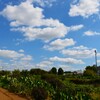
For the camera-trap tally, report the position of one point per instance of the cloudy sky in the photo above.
(49, 33)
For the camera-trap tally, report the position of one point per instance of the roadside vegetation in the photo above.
(38, 84)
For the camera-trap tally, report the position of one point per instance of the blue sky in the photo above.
(49, 33)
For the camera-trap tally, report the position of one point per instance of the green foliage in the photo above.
(16, 73)
(24, 72)
(37, 72)
(41, 86)
(93, 68)
(39, 93)
(53, 80)
(4, 72)
(60, 71)
(53, 70)
(89, 73)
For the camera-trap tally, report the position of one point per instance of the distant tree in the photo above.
(60, 71)
(24, 72)
(4, 72)
(90, 71)
(16, 73)
(53, 70)
(37, 71)
(93, 68)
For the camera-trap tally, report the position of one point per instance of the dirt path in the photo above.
(6, 95)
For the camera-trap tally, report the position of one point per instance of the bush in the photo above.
(60, 71)
(53, 70)
(37, 72)
(54, 81)
(39, 93)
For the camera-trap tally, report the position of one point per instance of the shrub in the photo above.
(37, 72)
(39, 93)
(60, 71)
(53, 70)
(54, 81)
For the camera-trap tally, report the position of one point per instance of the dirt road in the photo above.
(6, 95)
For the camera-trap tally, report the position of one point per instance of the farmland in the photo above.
(38, 84)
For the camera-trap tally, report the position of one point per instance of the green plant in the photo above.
(39, 93)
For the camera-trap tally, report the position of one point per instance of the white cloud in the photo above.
(58, 62)
(46, 65)
(60, 44)
(46, 34)
(98, 61)
(21, 50)
(33, 24)
(11, 59)
(27, 58)
(44, 3)
(76, 27)
(85, 8)
(10, 54)
(37, 26)
(91, 33)
(23, 14)
(66, 60)
(79, 52)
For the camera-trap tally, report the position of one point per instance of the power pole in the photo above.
(95, 58)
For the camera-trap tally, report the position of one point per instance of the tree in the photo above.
(60, 71)
(90, 71)
(93, 68)
(16, 73)
(53, 70)
(4, 72)
(37, 71)
(24, 72)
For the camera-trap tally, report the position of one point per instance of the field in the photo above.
(38, 84)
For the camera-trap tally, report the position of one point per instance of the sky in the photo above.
(49, 33)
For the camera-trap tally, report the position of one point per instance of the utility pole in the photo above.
(95, 58)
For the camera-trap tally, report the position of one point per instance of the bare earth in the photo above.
(6, 95)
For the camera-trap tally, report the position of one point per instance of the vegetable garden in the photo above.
(41, 85)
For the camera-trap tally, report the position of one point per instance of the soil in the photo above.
(6, 95)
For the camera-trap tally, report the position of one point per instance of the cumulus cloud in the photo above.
(33, 24)
(46, 34)
(12, 60)
(91, 33)
(60, 44)
(66, 60)
(98, 61)
(23, 14)
(85, 8)
(79, 52)
(10, 54)
(47, 65)
(44, 64)
(21, 50)
(64, 63)
(44, 3)
(27, 58)
(76, 27)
